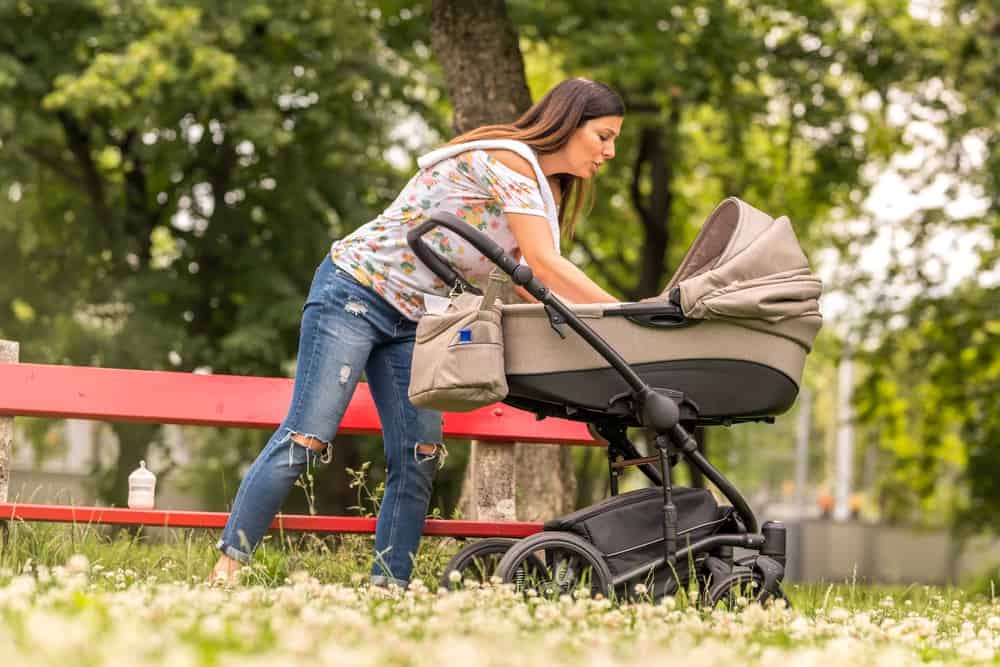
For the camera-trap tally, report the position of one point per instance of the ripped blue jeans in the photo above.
(347, 328)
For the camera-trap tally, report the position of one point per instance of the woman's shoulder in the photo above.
(512, 160)
(518, 164)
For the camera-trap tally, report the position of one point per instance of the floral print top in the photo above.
(475, 187)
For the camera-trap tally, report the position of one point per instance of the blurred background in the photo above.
(171, 173)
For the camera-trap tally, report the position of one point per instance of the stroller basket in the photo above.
(628, 528)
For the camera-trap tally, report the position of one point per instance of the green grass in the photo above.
(176, 555)
(187, 555)
(90, 596)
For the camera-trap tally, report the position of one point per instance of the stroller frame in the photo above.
(660, 410)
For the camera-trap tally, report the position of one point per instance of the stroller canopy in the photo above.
(751, 308)
(745, 266)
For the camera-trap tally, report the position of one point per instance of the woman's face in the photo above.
(592, 144)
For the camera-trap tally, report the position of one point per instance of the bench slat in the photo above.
(289, 522)
(166, 397)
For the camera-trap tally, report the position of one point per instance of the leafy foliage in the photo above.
(758, 100)
(933, 394)
(172, 172)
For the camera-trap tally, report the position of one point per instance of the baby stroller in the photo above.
(724, 343)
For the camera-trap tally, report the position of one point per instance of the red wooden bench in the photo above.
(40, 390)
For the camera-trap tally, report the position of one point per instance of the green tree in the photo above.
(933, 393)
(758, 100)
(174, 172)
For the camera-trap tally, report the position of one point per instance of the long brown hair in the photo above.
(548, 125)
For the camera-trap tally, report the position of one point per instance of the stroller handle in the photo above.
(656, 411)
(520, 274)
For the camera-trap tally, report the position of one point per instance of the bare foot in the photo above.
(226, 571)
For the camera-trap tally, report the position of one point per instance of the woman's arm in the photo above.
(552, 269)
(534, 238)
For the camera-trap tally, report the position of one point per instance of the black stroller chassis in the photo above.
(665, 538)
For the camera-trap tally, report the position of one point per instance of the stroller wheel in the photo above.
(741, 588)
(476, 561)
(553, 563)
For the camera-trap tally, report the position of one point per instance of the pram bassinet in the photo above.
(731, 330)
(726, 340)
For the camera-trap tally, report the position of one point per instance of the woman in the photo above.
(369, 292)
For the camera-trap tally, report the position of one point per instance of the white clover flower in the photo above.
(300, 577)
(839, 614)
(78, 564)
(150, 623)
(976, 650)
(23, 585)
(212, 626)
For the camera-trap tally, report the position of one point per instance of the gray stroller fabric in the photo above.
(751, 306)
(745, 265)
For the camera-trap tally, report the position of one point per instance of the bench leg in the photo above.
(492, 476)
(8, 355)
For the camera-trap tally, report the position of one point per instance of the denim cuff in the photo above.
(383, 581)
(233, 552)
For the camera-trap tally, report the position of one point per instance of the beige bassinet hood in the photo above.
(748, 268)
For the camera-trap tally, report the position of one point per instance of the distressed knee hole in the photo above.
(311, 442)
(345, 373)
(427, 451)
(426, 448)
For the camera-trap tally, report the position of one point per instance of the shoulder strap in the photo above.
(445, 152)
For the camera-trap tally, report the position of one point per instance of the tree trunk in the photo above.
(476, 44)
(653, 197)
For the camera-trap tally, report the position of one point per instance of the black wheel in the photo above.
(747, 585)
(554, 563)
(476, 561)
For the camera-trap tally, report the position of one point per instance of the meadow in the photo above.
(80, 596)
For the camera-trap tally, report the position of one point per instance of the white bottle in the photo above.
(141, 488)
